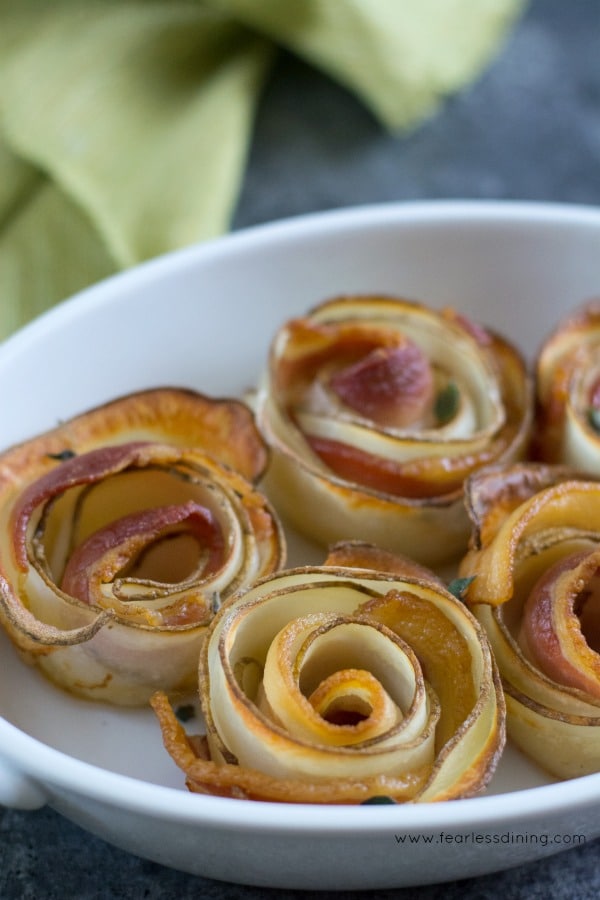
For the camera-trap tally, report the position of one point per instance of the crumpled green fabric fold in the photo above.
(125, 124)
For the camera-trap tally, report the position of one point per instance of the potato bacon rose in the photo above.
(535, 565)
(376, 410)
(339, 683)
(568, 392)
(121, 533)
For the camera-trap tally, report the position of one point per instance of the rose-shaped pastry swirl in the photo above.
(534, 562)
(338, 683)
(376, 410)
(568, 392)
(122, 533)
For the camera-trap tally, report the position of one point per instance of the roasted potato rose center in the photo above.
(376, 410)
(333, 684)
(121, 540)
(105, 535)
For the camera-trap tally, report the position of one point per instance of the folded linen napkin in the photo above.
(125, 124)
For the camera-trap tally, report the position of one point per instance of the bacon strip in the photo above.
(551, 629)
(72, 472)
(111, 549)
(392, 386)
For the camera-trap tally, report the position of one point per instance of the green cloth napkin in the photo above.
(125, 124)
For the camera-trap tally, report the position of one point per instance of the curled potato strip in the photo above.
(376, 410)
(121, 535)
(337, 683)
(568, 392)
(534, 562)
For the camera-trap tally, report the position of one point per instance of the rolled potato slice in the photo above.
(340, 683)
(534, 565)
(568, 392)
(376, 410)
(121, 533)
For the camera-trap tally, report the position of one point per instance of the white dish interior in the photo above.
(204, 318)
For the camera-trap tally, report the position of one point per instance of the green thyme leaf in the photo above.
(593, 417)
(446, 403)
(378, 801)
(185, 712)
(458, 586)
(63, 455)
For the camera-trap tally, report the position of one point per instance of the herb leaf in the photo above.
(458, 586)
(447, 403)
(185, 712)
(593, 417)
(63, 455)
(378, 800)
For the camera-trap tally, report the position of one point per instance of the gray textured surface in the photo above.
(528, 129)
